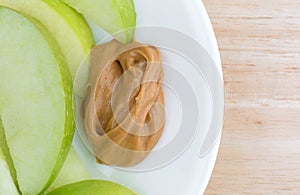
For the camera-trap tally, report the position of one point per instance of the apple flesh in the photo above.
(68, 27)
(116, 17)
(36, 105)
(7, 185)
(92, 187)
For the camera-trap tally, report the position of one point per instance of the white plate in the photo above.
(193, 97)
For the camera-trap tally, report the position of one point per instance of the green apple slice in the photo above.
(92, 187)
(68, 27)
(36, 105)
(5, 152)
(72, 171)
(7, 185)
(113, 16)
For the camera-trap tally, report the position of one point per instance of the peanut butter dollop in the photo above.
(123, 109)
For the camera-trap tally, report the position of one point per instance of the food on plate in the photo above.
(123, 109)
(116, 17)
(36, 106)
(43, 42)
(7, 185)
(92, 187)
(68, 27)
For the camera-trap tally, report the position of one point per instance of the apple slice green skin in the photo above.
(7, 185)
(89, 187)
(6, 154)
(68, 27)
(72, 171)
(36, 105)
(116, 17)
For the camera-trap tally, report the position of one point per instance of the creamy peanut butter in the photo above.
(123, 108)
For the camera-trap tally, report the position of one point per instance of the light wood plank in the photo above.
(259, 41)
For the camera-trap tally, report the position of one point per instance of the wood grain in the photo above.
(259, 41)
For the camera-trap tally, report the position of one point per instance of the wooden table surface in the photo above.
(259, 42)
